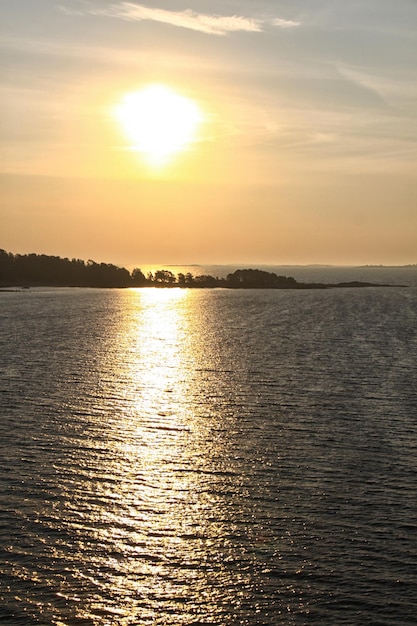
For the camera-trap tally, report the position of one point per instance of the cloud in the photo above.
(283, 23)
(204, 23)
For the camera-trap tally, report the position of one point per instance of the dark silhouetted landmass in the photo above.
(41, 270)
(33, 270)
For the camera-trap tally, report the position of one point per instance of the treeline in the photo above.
(42, 270)
(243, 279)
(32, 270)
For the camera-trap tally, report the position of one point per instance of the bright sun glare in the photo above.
(159, 122)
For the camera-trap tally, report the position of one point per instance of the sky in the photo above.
(305, 151)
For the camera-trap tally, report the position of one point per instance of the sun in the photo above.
(159, 122)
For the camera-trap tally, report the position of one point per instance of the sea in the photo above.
(210, 456)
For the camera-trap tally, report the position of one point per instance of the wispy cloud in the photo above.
(283, 23)
(202, 22)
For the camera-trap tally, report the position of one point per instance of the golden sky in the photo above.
(302, 147)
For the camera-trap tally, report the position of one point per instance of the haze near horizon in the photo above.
(212, 133)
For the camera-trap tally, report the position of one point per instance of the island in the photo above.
(41, 270)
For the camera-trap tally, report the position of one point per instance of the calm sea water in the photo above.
(174, 457)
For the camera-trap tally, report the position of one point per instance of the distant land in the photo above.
(41, 270)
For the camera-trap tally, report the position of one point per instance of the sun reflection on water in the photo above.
(157, 335)
(164, 526)
(160, 524)
(156, 523)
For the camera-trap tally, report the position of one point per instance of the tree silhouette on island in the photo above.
(40, 270)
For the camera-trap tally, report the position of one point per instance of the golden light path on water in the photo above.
(159, 512)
